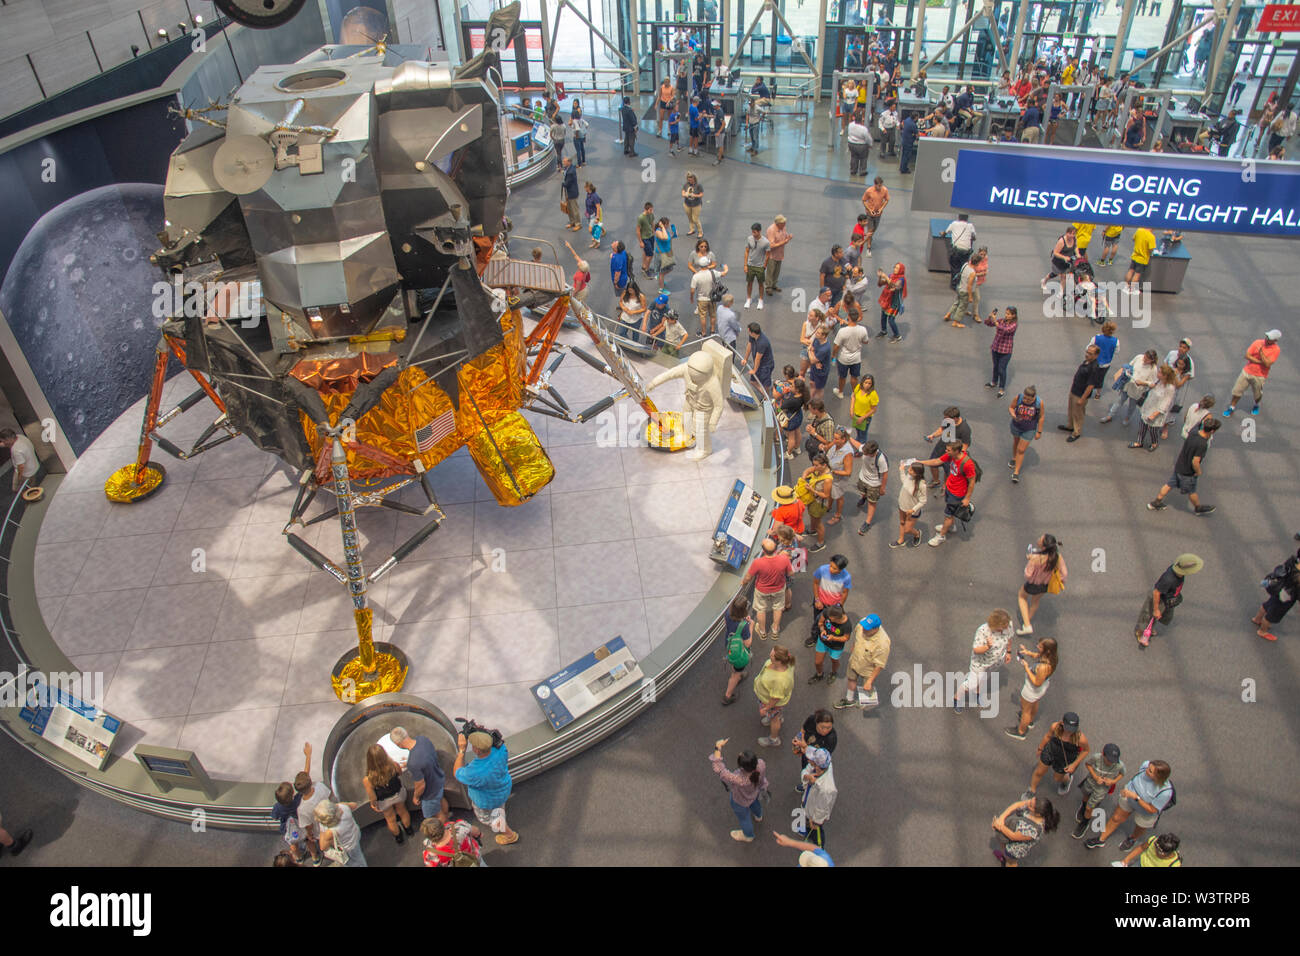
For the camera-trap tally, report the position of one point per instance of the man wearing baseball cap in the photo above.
(1259, 359)
(487, 781)
(1166, 595)
(870, 655)
(1102, 772)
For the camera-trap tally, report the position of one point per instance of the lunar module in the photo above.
(366, 198)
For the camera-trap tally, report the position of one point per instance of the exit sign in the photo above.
(1279, 18)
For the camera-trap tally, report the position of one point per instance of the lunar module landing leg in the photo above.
(141, 478)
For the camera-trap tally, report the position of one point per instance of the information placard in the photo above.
(737, 529)
(587, 683)
(70, 723)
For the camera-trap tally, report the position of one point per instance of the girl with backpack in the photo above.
(1044, 574)
(1027, 415)
(738, 636)
(745, 786)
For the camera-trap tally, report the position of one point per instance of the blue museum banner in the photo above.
(1196, 194)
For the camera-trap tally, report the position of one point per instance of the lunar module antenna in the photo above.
(196, 114)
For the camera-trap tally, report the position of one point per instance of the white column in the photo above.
(821, 52)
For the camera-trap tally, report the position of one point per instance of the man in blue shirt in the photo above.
(618, 268)
(693, 120)
(906, 144)
(758, 356)
(426, 773)
(1144, 797)
(1031, 127)
(487, 779)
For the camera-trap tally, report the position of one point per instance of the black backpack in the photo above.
(1173, 801)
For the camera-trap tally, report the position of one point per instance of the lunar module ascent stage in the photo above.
(367, 198)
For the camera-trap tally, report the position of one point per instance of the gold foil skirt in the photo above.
(529, 467)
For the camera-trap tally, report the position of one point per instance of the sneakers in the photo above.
(1064, 787)
(845, 702)
(399, 838)
(895, 339)
(769, 741)
(1080, 828)
(1095, 843)
(881, 335)
(1203, 510)
(1227, 412)
(1015, 733)
(739, 837)
(898, 544)
(760, 305)
(868, 251)
(748, 302)
(866, 526)
(989, 385)
(957, 708)
(813, 549)
(1015, 477)
(809, 642)
(816, 678)
(1127, 845)
(765, 720)
(837, 393)
(1024, 629)
(1156, 505)
(937, 540)
(1255, 410)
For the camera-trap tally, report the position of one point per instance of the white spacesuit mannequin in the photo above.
(704, 399)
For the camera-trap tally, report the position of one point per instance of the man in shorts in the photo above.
(847, 352)
(874, 201)
(1102, 772)
(1148, 793)
(487, 781)
(957, 489)
(702, 285)
(645, 231)
(1259, 359)
(1188, 468)
(1144, 241)
(867, 662)
(757, 252)
(770, 573)
(872, 477)
(833, 633)
(1165, 595)
(831, 585)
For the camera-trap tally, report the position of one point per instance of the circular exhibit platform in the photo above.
(214, 636)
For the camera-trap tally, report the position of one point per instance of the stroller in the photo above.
(1088, 300)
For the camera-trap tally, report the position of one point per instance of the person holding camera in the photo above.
(486, 778)
(745, 787)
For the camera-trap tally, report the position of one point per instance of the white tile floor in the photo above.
(214, 635)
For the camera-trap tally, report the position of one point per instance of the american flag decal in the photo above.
(435, 431)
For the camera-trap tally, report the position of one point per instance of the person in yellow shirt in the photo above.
(863, 406)
(1067, 75)
(1159, 850)
(1082, 236)
(1144, 241)
(1110, 245)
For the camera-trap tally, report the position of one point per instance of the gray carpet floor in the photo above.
(919, 785)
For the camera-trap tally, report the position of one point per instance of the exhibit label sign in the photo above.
(737, 528)
(70, 723)
(1236, 198)
(587, 683)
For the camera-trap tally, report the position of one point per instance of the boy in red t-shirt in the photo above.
(957, 488)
